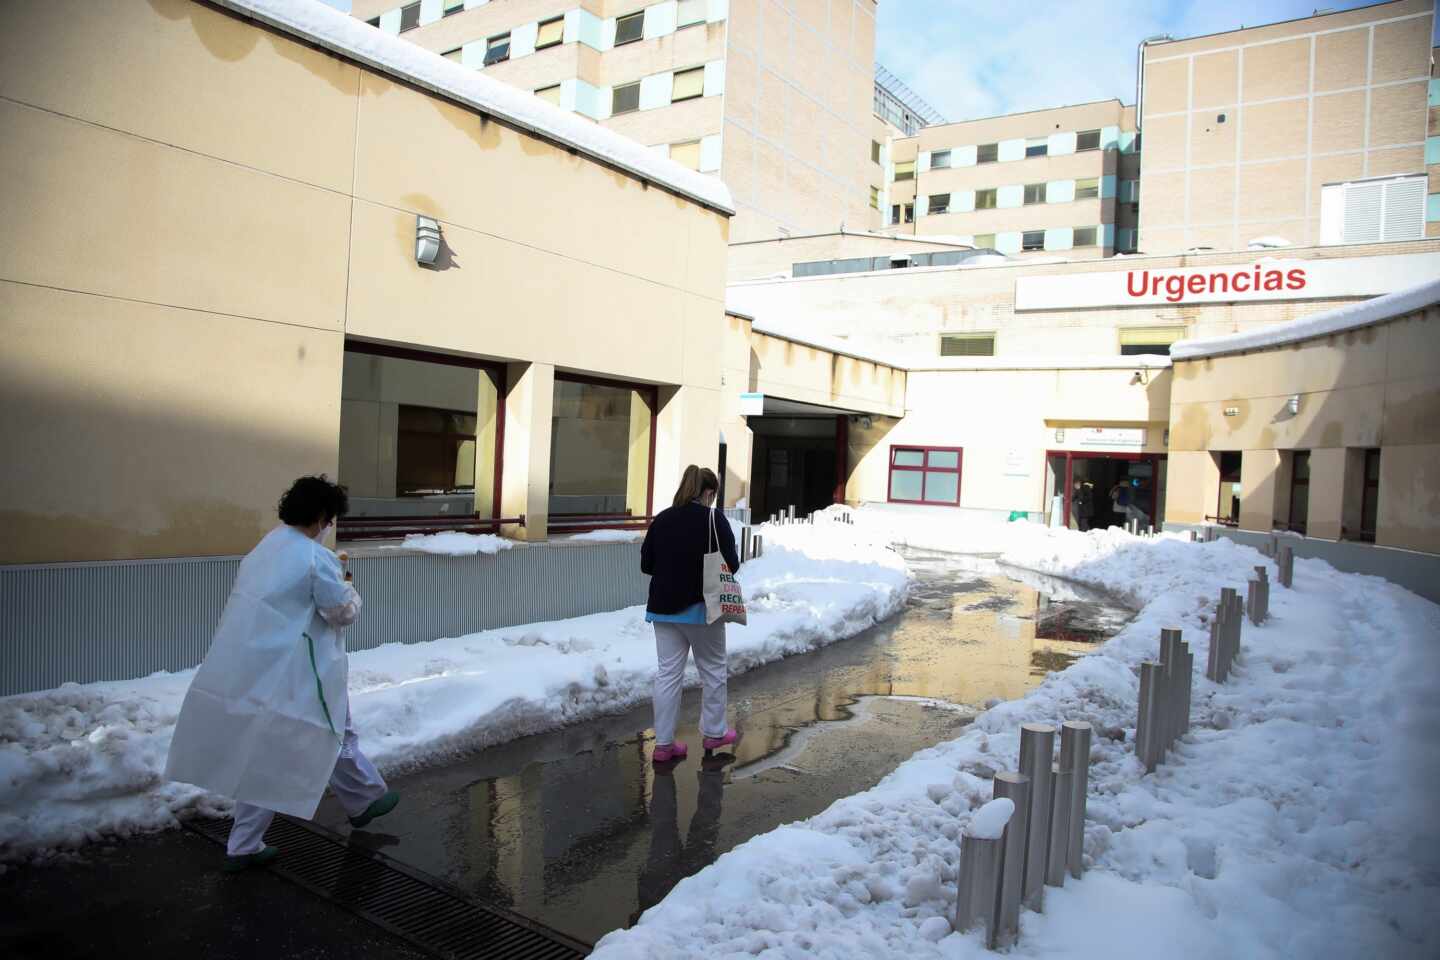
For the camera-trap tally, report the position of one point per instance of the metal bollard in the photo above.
(758, 546)
(1146, 733)
(1016, 787)
(744, 544)
(1057, 850)
(1037, 746)
(1075, 750)
(976, 900)
(1172, 660)
(1187, 686)
(1212, 663)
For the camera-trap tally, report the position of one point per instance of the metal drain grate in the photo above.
(421, 910)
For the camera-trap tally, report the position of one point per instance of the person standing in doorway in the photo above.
(259, 722)
(673, 555)
(1083, 504)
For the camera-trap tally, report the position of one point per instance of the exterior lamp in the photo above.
(427, 240)
(1293, 405)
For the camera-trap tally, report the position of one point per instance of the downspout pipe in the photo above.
(1140, 75)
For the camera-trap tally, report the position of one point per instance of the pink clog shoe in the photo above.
(670, 751)
(715, 743)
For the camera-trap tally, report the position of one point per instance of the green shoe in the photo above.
(247, 860)
(377, 809)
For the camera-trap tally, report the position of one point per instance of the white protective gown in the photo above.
(253, 725)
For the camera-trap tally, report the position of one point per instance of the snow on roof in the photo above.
(317, 23)
(1349, 317)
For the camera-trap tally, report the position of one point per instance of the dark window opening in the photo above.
(409, 17)
(1227, 507)
(1087, 140)
(625, 99)
(630, 28)
(497, 49)
(1299, 490)
(1370, 500)
(987, 153)
(1032, 240)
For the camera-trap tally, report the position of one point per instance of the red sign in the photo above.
(1174, 286)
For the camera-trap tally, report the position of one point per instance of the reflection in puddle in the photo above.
(578, 829)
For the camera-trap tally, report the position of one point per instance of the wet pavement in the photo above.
(576, 828)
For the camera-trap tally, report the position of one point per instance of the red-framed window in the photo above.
(925, 475)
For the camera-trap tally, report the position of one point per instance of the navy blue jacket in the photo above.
(673, 554)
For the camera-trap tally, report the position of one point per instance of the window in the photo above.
(1032, 240)
(453, 6)
(1373, 211)
(939, 203)
(549, 94)
(1087, 140)
(1148, 340)
(984, 241)
(1299, 490)
(435, 451)
(1034, 193)
(940, 160)
(686, 154)
(1087, 188)
(691, 12)
(409, 17)
(1084, 237)
(497, 49)
(601, 452)
(985, 199)
(905, 170)
(630, 28)
(874, 151)
(625, 99)
(967, 344)
(875, 198)
(452, 55)
(987, 153)
(902, 213)
(552, 33)
(689, 84)
(925, 475)
(1370, 500)
(1037, 147)
(373, 22)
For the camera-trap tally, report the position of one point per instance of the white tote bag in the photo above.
(724, 602)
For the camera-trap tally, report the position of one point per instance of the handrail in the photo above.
(1223, 521)
(390, 527)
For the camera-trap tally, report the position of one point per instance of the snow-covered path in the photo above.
(1292, 821)
(84, 762)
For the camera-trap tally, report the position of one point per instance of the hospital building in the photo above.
(509, 267)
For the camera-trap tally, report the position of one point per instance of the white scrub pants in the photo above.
(355, 781)
(672, 642)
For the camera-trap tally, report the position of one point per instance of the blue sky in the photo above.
(980, 58)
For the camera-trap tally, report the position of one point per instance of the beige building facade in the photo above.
(772, 97)
(1314, 131)
(1047, 182)
(210, 293)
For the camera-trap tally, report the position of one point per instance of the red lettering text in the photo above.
(1296, 279)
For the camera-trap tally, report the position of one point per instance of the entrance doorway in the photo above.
(795, 461)
(1112, 487)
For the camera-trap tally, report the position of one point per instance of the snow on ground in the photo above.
(452, 543)
(82, 763)
(1293, 820)
(609, 536)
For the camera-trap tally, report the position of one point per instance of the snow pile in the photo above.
(990, 820)
(609, 536)
(453, 543)
(1293, 820)
(83, 762)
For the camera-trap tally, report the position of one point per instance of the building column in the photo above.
(487, 408)
(1259, 480)
(525, 477)
(1327, 493)
(687, 431)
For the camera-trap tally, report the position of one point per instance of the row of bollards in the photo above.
(1042, 841)
(1225, 635)
(1165, 695)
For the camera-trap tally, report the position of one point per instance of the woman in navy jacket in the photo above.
(673, 554)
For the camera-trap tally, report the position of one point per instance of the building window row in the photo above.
(574, 26)
(1358, 485)
(1020, 195)
(663, 89)
(1054, 239)
(1023, 148)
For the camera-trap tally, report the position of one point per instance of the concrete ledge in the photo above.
(1417, 572)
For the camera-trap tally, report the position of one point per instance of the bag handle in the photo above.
(713, 534)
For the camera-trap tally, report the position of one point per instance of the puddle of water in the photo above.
(577, 828)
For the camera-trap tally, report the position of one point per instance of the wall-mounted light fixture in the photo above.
(1232, 411)
(1142, 377)
(1059, 434)
(1293, 405)
(427, 240)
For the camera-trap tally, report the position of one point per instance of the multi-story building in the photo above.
(775, 100)
(1312, 131)
(1046, 181)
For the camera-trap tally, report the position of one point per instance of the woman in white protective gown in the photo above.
(267, 719)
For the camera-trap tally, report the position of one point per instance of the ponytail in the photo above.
(694, 484)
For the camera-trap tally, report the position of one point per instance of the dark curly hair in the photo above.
(313, 498)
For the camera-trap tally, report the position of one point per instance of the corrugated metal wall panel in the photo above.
(84, 622)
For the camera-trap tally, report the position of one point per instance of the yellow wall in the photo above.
(183, 260)
(1377, 386)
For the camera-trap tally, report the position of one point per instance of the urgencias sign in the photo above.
(1267, 279)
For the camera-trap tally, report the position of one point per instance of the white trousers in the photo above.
(355, 782)
(672, 642)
